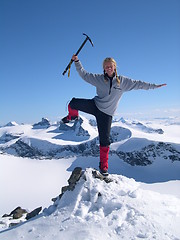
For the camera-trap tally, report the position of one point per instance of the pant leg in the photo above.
(103, 120)
(84, 105)
(104, 127)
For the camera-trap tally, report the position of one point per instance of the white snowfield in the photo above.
(142, 202)
(98, 210)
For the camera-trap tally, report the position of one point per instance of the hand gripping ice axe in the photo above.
(82, 45)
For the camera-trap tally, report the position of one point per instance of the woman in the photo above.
(109, 88)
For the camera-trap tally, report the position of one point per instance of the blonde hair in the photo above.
(109, 59)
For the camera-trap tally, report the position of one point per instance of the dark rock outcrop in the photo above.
(74, 178)
(44, 123)
(16, 213)
(34, 213)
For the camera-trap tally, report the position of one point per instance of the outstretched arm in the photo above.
(130, 84)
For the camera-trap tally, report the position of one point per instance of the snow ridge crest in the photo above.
(91, 208)
(116, 209)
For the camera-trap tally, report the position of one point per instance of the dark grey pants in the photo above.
(103, 120)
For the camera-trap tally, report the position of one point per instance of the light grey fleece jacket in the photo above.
(107, 98)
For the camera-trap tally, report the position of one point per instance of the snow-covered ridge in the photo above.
(135, 142)
(94, 209)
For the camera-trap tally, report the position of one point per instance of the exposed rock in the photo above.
(76, 127)
(6, 137)
(74, 178)
(44, 123)
(24, 150)
(20, 215)
(141, 157)
(119, 133)
(64, 189)
(151, 151)
(34, 213)
(18, 212)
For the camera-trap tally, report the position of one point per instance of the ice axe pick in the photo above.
(82, 45)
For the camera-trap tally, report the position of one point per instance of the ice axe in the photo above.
(82, 45)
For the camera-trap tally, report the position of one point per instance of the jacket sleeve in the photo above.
(130, 84)
(88, 77)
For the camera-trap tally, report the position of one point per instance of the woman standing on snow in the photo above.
(109, 88)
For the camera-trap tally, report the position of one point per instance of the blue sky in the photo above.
(38, 38)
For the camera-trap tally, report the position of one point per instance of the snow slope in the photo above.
(98, 210)
(125, 209)
(30, 183)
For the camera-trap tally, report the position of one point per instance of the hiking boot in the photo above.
(68, 119)
(72, 115)
(104, 172)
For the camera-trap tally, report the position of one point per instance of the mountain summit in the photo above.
(94, 209)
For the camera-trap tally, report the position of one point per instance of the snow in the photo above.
(169, 187)
(30, 183)
(142, 202)
(98, 210)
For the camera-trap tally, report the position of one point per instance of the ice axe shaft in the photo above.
(82, 45)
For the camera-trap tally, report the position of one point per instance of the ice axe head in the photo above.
(82, 45)
(78, 51)
(88, 38)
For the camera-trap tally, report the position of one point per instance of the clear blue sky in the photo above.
(38, 38)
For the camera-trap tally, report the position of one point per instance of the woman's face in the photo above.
(109, 68)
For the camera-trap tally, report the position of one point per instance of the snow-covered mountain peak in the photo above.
(11, 124)
(44, 123)
(130, 146)
(95, 209)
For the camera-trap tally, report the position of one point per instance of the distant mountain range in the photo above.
(134, 142)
